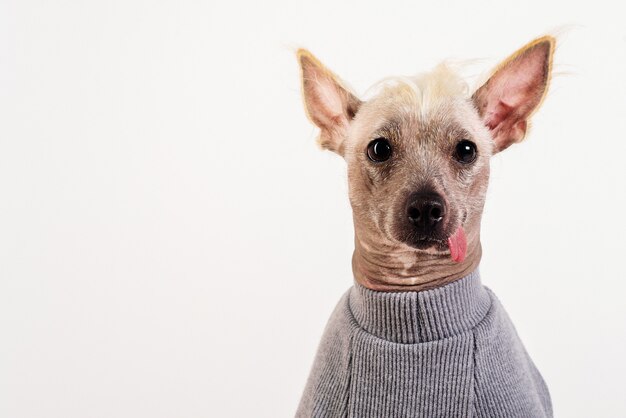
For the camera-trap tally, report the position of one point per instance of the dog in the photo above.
(418, 334)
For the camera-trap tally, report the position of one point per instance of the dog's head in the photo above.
(418, 151)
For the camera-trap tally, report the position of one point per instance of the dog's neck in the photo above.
(382, 265)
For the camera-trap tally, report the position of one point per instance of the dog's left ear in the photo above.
(329, 103)
(515, 90)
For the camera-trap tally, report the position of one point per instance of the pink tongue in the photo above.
(458, 245)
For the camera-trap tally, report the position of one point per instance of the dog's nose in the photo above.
(425, 211)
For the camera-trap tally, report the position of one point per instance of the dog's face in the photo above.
(418, 161)
(418, 151)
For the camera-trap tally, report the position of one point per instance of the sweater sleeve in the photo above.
(326, 390)
(507, 383)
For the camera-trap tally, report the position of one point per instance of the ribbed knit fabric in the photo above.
(445, 352)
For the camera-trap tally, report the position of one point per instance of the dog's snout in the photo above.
(425, 211)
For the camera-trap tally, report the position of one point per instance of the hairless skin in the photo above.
(418, 155)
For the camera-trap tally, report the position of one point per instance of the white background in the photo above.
(172, 241)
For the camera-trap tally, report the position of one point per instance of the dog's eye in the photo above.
(465, 152)
(379, 150)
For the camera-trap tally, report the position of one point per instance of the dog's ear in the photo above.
(329, 103)
(515, 90)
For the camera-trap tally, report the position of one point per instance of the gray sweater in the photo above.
(445, 352)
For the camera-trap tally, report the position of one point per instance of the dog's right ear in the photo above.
(329, 103)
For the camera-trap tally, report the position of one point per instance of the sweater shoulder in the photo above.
(507, 383)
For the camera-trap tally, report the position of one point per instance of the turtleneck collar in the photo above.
(422, 316)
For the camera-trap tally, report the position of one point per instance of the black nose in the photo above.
(425, 211)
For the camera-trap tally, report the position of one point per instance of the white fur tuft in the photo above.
(426, 90)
